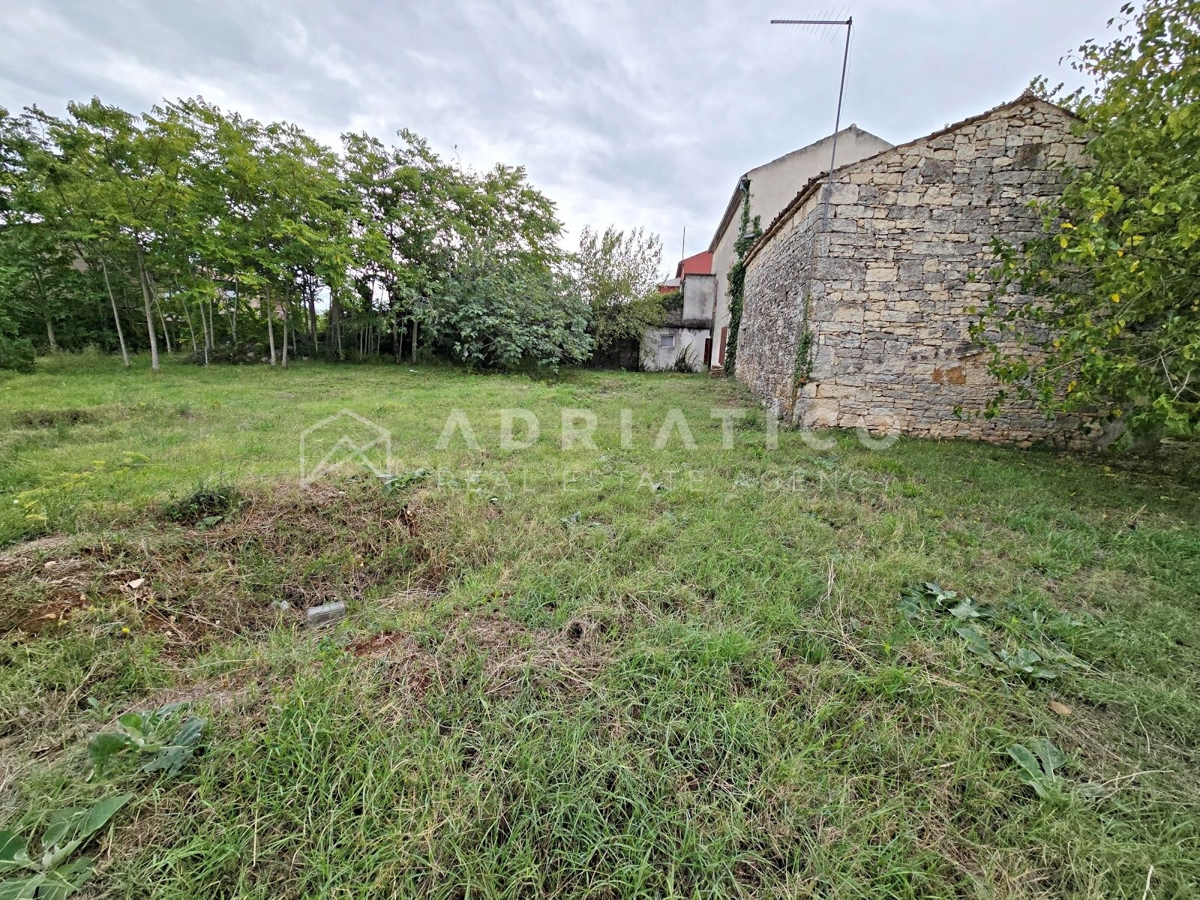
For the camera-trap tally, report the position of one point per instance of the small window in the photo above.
(668, 341)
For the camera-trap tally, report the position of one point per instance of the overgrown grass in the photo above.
(619, 672)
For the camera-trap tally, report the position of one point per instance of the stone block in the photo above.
(819, 414)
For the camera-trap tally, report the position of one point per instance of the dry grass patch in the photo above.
(303, 544)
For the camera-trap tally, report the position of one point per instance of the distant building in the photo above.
(771, 187)
(684, 340)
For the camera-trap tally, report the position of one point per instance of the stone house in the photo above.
(771, 187)
(857, 314)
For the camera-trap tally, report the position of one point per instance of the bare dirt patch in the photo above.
(304, 544)
(52, 418)
(22, 556)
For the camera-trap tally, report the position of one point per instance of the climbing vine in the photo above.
(750, 232)
(804, 351)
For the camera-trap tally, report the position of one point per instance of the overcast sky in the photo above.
(638, 112)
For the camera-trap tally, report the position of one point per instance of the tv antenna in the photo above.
(820, 26)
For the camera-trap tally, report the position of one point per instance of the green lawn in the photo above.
(617, 672)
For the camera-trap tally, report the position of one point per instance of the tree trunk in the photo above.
(191, 328)
(116, 315)
(147, 301)
(312, 316)
(188, 315)
(211, 334)
(237, 297)
(286, 315)
(414, 340)
(37, 277)
(270, 324)
(335, 322)
(163, 319)
(204, 328)
(129, 310)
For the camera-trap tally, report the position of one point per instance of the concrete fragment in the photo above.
(324, 615)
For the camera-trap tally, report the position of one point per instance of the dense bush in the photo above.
(497, 316)
(16, 354)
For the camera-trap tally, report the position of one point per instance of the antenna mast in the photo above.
(848, 24)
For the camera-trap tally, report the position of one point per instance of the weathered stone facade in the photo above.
(860, 318)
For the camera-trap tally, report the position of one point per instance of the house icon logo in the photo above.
(344, 440)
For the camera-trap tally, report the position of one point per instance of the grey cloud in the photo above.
(627, 112)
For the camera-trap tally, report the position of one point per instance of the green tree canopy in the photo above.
(617, 275)
(1116, 273)
(194, 223)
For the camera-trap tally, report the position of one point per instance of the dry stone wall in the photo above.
(885, 294)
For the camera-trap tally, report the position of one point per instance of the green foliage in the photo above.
(43, 296)
(395, 483)
(206, 506)
(16, 354)
(52, 876)
(671, 300)
(166, 735)
(1115, 273)
(617, 276)
(501, 316)
(1039, 767)
(804, 352)
(685, 362)
(965, 617)
(750, 232)
(192, 227)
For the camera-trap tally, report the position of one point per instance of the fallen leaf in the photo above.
(1060, 708)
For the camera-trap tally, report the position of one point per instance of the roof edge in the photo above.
(815, 182)
(731, 207)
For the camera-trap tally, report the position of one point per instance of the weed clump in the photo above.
(53, 418)
(206, 506)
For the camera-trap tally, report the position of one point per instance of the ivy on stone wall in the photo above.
(751, 231)
(804, 353)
